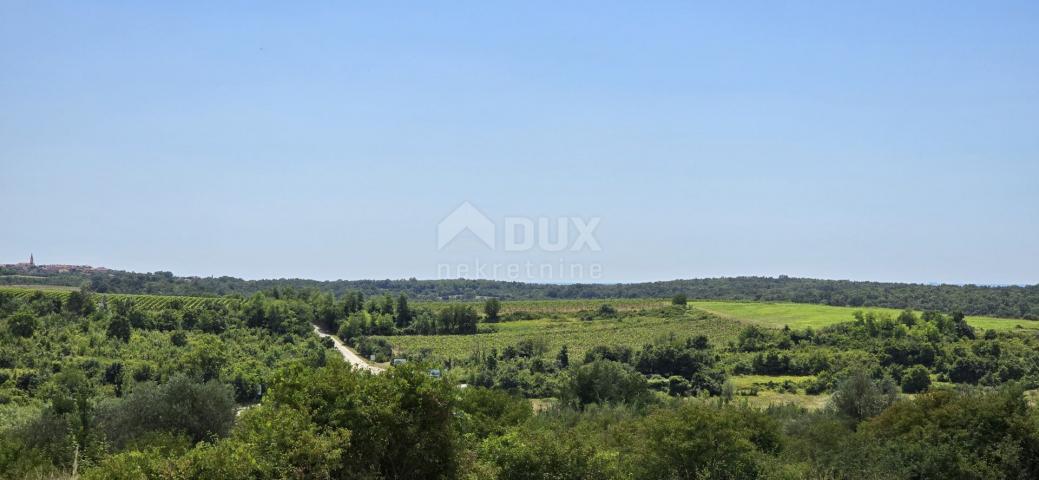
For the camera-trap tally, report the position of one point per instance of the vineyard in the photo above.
(577, 335)
(802, 315)
(561, 307)
(146, 302)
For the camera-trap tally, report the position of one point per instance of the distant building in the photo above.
(32, 261)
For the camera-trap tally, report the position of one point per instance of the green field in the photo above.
(577, 335)
(147, 302)
(19, 290)
(801, 315)
(548, 307)
(719, 321)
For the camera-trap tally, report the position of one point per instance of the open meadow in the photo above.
(802, 315)
(639, 321)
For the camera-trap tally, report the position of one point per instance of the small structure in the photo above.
(435, 373)
(398, 362)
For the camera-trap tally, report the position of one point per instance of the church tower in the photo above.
(32, 262)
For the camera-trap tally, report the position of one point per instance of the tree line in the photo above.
(1002, 301)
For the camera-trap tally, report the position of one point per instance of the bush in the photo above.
(915, 380)
(547, 454)
(859, 397)
(22, 324)
(699, 441)
(944, 434)
(605, 381)
(119, 328)
(199, 410)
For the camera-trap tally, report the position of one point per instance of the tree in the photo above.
(915, 380)
(119, 328)
(563, 358)
(491, 308)
(457, 319)
(907, 318)
(401, 423)
(963, 330)
(545, 453)
(679, 299)
(605, 381)
(950, 434)
(859, 398)
(199, 410)
(79, 303)
(22, 324)
(695, 440)
(404, 314)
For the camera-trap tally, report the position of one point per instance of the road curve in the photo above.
(348, 354)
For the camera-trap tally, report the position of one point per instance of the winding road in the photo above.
(349, 355)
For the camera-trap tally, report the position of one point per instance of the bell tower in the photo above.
(32, 262)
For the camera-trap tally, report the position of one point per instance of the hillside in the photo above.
(999, 301)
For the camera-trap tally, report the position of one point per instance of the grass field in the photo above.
(719, 321)
(800, 315)
(576, 334)
(28, 289)
(747, 381)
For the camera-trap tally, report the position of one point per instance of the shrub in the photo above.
(699, 441)
(916, 379)
(604, 381)
(199, 410)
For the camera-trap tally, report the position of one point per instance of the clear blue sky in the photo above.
(885, 141)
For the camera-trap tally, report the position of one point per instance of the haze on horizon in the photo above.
(886, 142)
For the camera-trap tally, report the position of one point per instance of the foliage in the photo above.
(915, 380)
(605, 381)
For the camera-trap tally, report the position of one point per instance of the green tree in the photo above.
(22, 324)
(859, 397)
(916, 379)
(563, 358)
(119, 328)
(79, 303)
(679, 299)
(605, 381)
(695, 440)
(491, 308)
(183, 406)
(457, 319)
(401, 423)
(404, 315)
(542, 453)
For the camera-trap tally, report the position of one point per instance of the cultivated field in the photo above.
(800, 315)
(558, 324)
(578, 335)
(557, 307)
(147, 302)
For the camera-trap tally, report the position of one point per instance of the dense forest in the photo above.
(1002, 301)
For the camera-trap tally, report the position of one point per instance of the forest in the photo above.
(1001, 301)
(100, 388)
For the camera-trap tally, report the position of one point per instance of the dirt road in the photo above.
(349, 355)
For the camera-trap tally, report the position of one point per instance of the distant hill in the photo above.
(1003, 301)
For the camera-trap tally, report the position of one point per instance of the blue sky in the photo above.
(883, 141)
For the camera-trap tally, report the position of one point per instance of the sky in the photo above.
(891, 141)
